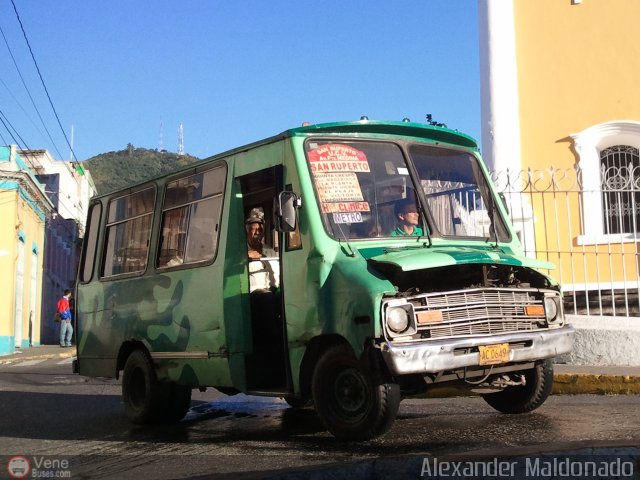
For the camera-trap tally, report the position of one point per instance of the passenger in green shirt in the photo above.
(408, 219)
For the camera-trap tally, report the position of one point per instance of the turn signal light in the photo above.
(534, 310)
(432, 316)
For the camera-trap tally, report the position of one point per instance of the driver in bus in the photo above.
(406, 213)
(263, 261)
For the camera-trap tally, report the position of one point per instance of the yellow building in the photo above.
(23, 210)
(560, 101)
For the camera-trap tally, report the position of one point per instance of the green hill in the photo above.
(115, 170)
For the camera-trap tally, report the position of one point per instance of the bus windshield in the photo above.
(365, 190)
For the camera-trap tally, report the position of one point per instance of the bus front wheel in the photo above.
(526, 398)
(352, 402)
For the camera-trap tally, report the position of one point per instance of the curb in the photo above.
(572, 384)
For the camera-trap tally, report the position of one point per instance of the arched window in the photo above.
(620, 181)
(610, 174)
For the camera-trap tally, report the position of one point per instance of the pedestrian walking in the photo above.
(66, 329)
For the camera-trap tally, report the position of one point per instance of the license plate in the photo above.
(494, 354)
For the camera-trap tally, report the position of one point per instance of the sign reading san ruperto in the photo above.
(337, 158)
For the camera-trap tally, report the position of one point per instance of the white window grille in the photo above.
(620, 180)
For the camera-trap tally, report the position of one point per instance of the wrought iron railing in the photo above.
(589, 229)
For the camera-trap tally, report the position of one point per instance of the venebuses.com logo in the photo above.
(18, 467)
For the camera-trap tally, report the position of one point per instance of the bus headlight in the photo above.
(552, 309)
(397, 319)
(400, 319)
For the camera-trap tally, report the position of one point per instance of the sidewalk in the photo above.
(568, 379)
(39, 352)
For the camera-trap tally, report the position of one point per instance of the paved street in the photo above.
(81, 419)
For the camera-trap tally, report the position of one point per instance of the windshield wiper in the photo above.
(351, 253)
(426, 228)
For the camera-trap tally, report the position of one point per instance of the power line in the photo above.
(26, 114)
(3, 117)
(64, 202)
(24, 33)
(7, 129)
(28, 92)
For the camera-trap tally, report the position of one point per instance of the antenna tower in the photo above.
(161, 139)
(180, 140)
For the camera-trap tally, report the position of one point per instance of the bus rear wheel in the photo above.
(352, 402)
(526, 398)
(140, 389)
(145, 399)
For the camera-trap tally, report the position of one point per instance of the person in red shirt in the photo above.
(66, 329)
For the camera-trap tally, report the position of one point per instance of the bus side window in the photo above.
(90, 242)
(191, 214)
(128, 231)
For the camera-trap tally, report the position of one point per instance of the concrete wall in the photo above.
(606, 341)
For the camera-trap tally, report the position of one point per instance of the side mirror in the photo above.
(285, 206)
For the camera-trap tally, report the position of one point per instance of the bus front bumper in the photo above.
(453, 353)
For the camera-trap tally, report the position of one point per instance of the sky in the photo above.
(231, 72)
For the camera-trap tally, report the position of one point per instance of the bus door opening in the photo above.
(267, 364)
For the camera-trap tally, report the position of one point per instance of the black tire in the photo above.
(523, 399)
(140, 389)
(145, 399)
(351, 401)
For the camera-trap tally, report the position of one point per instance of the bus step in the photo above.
(269, 393)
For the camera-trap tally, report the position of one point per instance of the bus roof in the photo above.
(376, 127)
(409, 129)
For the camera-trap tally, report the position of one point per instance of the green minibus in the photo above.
(389, 267)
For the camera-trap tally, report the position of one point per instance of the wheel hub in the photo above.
(350, 390)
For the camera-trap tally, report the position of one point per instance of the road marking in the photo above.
(66, 361)
(26, 363)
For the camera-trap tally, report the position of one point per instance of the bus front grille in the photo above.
(483, 311)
